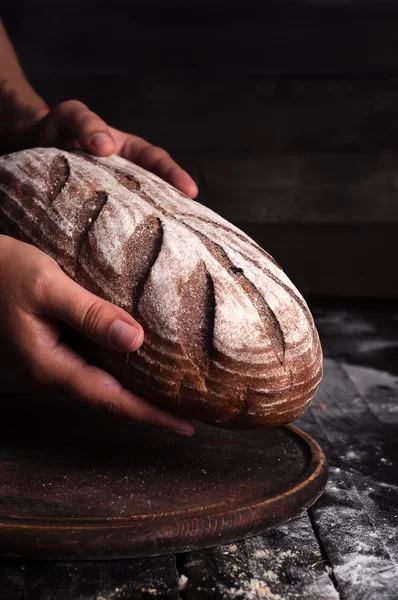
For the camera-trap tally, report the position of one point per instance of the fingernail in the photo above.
(99, 139)
(122, 335)
(184, 432)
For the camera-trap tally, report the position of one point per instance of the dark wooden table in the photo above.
(346, 546)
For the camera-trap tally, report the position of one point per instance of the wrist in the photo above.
(18, 116)
(23, 115)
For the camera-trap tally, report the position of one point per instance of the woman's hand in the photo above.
(72, 125)
(35, 296)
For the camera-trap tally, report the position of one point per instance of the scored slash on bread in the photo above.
(228, 338)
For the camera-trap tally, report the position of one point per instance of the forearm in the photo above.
(20, 105)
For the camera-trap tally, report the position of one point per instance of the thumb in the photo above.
(74, 120)
(97, 319)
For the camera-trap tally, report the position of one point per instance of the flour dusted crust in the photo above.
(229, 339)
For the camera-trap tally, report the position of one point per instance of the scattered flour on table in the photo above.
(251, 590)
(262, 569)
(125, 592)
(352, 455)
(361, 560)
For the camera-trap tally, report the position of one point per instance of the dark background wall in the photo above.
(286, 113)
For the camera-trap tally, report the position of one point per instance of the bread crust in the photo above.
(228, 338)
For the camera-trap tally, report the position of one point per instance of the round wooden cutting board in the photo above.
(79, 485)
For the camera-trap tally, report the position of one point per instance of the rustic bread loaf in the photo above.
(229, 339)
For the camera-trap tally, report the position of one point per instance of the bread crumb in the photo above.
(261, 554)
(182, 583)
(270, 575)
(252, 590)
